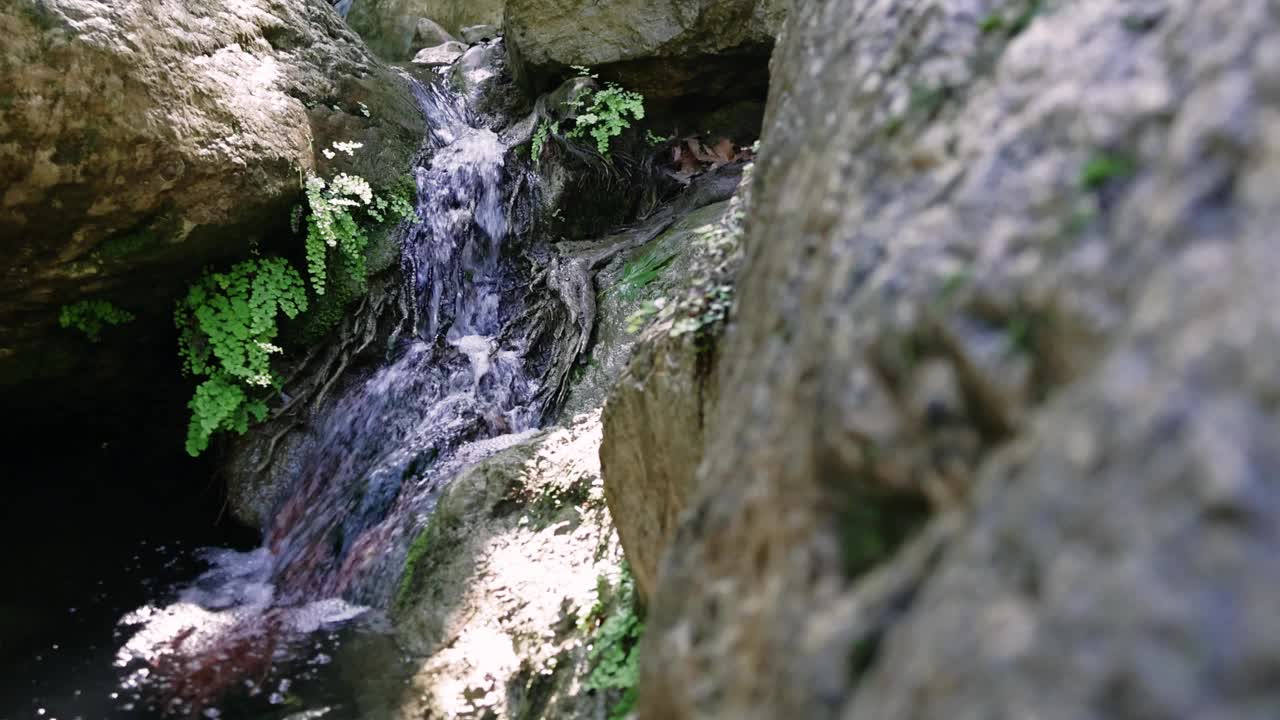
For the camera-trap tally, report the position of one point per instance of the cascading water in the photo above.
(388, 442)
(465, 376)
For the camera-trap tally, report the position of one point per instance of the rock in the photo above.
(662, 390)
(482, 76)
(672, 256)
(473, 34)
(1014, 271)
(391, 27)
(661, 49)
(655, 419)
(442, 54)
(430, 34)
(510, 564)
(137, 152)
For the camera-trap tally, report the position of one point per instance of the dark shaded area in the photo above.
(59, 377)
(102, 513)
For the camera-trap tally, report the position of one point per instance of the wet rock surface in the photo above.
(443, 54)
(1005, 266)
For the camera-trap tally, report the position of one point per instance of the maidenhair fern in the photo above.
(333, 223)
(227, 324)
(91, 317)
(228, 321)
(603, 114)
(540, 136)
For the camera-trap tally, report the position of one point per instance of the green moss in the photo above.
(1104, 167)
(91, 317)
(1018, 332)
(124, 246)
(953, 283)
(39, 15)
(425, 553)
(874, 524)
(992, 23)
(997, 23)
(643, 270)
(614, 657)
(150, 235)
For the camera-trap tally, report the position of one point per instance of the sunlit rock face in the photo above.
(142, 140)
(393, 28)
(1011, 262)
(663, 49)
(498, 604)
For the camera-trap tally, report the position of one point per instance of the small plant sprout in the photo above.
(605, 113)
(1104, 167)
(91, 317)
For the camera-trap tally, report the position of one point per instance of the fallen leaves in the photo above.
(691, 157)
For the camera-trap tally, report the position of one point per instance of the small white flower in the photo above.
(347, 147)
(329, 154)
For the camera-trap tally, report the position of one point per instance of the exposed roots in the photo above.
(314, 377)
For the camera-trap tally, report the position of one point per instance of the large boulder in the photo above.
(505, 588)
(662, 49)
(144, 140)
(391, 27)
(1011, 267)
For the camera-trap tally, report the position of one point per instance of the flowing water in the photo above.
(287, 630)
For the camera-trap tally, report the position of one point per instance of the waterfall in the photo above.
(391, 441)
(343, 7)
(464, 378)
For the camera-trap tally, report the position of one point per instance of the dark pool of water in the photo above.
(100, 522)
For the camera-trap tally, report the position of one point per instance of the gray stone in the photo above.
(479, 33)
(391, 26)
(665, 48)
(662, 394)
(678, 249)
(442, 54)
(482, 76)
(1017, 267)
(430, 34)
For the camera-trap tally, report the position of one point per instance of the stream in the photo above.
(294, 627)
